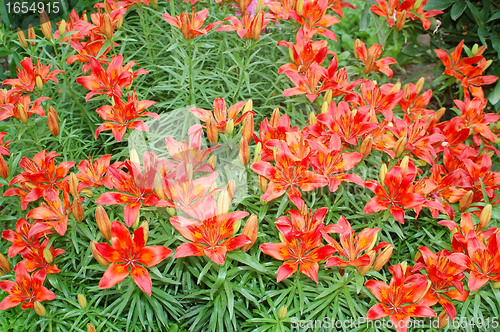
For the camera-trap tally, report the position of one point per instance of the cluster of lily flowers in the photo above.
(431, 164)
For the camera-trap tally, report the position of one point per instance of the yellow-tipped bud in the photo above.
(244, 153)
(39, 83)
(282, 312)
(145, 230)
(258, 24)
(275, 118)
(212, 132)
(312, 118)
(404, 163)
(223, 202)
(400, 146)
(257, 153)
(488, 63)
(248, 127)
(328, 96)
(171, 211)
(82, 301)
(366, 146)
(466, 201)
(90, 327)
(420, 84)
(362, 270)
(87, 192)
(212, 160)
(77, 209)
(102, 221)
(229, 127)
(158, 187)
(73, 185)
(400, 22)
(31, 35)
(485, 216)
(383, 258)
(263, 182)
(417, 4)
(290, 53)
(324, 107)
(62, 27)
(107, 26)
(134, 157)
(299, 7)
(251, 230)
(4, 264)
(22, 38)
(97, 256)
(47, 255)
(383, 172)
(45, 25)
(39, 309)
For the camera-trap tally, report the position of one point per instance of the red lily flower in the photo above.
(75, 24)
(369, 58)
(52, 209)
(111, 80)
(212, 236)
(124, 116)
(338, 6)
(332, 164)
(4, 151)
(191, 25)
(250, 26)
(23, 239)
(354, 249)
(307, 82)
(479, 171)
(444, 273)
(34, 258)
(39, 174)
(414, 104)
(94, 173)
(20, 106)
(381, 99)
(125, 253)
(26, 288)
(482, 260)
(314, 19)
(221, 114)
(299, 223)
(419, 13)
(397, 193)
(474, 118)
(134, 189)
(393, 10)
(26, 77)
(342, 121)
(305, 251)
(281, 9)
(402, 299)
(288, 174)
(89, 50)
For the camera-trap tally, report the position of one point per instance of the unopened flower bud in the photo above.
(39, 309)
(487, 64)
(22, 38)
(119, 23)
(82, 301)
(328, 96)
(87, 192)
(383, 258)
(145, 230)
(420, 84)
(418, 255)
(62, 27)
(258, 24)
(290, 53)
(366, 146)
(282, 312)
(53, 121)
(369, 65)
(357, 43)
(229, 126)
(299, 7)
(45, 25)
(362, 270)
(4, 264)
(73, 185)
(400, 22)
(466, 201)
(171, 211)
(31, 35)
(102, 221)
(263, 182)
(107, 27)
(223, 201)
(97, 256)
(39, 83)
(417, 4)
(212, 161)
(212, 132)
(77, 209)
(244, 153)
(4, 168)
(443, 319)
(47, 255)
(158, 187)
(400, 146)
(90, 327)
(324, 107)
(312, 118)
(248, 127)
(485, 216)
(275, 118)
(251, 230)
(257, 153)
(404, 163)
(260, 5)
(383, 172)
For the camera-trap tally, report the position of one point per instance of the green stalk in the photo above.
(243, 69)
(190, 66)
(143, 17)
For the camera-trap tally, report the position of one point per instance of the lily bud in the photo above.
(383, 172)
(488, 63)
(39, 309)
(223, 202)
(22, 38)
(485, 216)
(4, 264)
(47, 255)
(400, 22)
(258, 24)
(135, 225)
(158, 187)
(263, 182)
(107, 7)
(496, 284)
(97, 256)
(229, 127)
(282, 312)
(52, 120)
(31, 35)
(102, 221)
(212, 160)
(290, 53)
(145, 230)
(189, 171)
(256, 154)
(312, 118)
(251, 230)
(299, 7)
(400, 146)
(420, 84)
(466, 201)
(244, 153)
(4, 168)
(275, 118)
(82, 301)
(119, 23)
(418, 255)
(404, 163)
(443, 319)
(45, 25)
(248, 127)
(370, 61)
(417, 4)
(87, 192)
(260, 5)
(324, 107)
(383, 258)
(328, 96)
(62, 27)
(212, 132)
(357, 43)
(134, 157)
(77, 209)
(171, 211)
(39, 83)
(107, 27)
(90, 327)
(362, 270)
(73, 185)
(366, 146)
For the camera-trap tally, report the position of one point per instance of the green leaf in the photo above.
(494, 96)
(458, 9)
(438, 4)
(364, 21)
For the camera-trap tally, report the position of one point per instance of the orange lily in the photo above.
(26, 77)
(191, 25)
(24, 238)
(369, 58)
